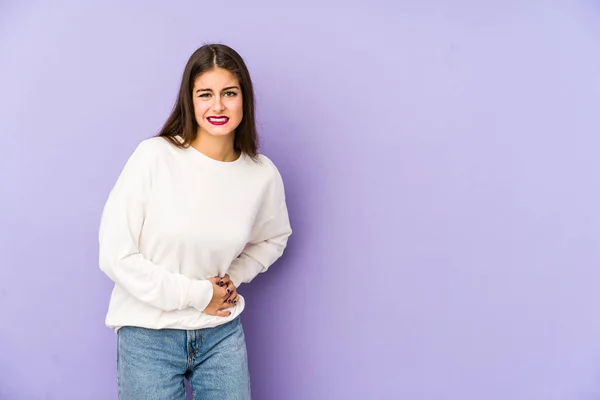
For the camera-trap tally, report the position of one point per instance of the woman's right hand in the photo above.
(219, 299)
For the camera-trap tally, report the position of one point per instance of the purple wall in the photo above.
(442, 167)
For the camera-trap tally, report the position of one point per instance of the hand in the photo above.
(224, 296)
(232, 298)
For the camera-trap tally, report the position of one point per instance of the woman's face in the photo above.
(218, 102)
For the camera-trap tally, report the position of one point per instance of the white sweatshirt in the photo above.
(177, 217)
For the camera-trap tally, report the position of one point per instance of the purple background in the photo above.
(442, 169)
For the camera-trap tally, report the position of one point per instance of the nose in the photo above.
(218, 104)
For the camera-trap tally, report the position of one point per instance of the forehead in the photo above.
(215, 78)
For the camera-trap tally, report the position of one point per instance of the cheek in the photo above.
(239, 109)
(199, 109)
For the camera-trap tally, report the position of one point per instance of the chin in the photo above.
(219, 132)
(216, 130)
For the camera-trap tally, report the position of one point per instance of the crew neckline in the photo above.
(197, 153)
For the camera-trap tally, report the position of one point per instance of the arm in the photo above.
(119, 255)
(267, 246)
(269, 236)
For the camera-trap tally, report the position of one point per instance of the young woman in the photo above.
(195, 212)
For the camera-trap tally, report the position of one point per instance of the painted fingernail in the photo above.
(235, 302)
(228, 290)
(229, 301)
(221, 283)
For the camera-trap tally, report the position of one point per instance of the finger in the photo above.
(223, 295)
(218, 313)
(229, 288)
(224, 281)
(231, 296)
(233, 300)
(229, 300)
(223, 313)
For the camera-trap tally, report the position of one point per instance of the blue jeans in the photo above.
(151, 364)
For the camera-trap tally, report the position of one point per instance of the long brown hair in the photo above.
(182, 121)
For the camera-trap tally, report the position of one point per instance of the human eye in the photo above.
(230, 93)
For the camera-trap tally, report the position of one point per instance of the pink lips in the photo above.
(218, 120)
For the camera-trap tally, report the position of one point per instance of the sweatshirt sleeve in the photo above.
(269, 235)
(119, 254)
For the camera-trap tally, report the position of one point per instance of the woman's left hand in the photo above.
(233, 297)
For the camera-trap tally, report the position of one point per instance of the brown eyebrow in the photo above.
(210, 90)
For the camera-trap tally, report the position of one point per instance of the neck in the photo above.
(215, 147)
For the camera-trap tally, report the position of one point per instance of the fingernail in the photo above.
(228, 290)
(235, 302)
(221, 283)
(229, 301)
